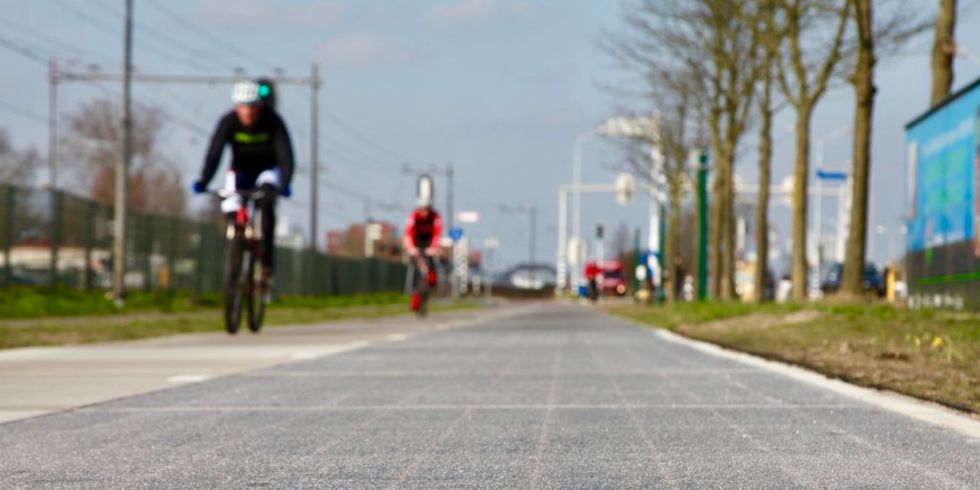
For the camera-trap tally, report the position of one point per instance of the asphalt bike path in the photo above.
(40, 380)
(545, 396)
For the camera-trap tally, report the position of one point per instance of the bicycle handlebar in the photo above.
(257, 193)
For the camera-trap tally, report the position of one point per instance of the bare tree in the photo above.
(713, 42)
(675, 141)
(16, 166)
(621, 243)
(897, 27)
(804, 69)
(154, 182)
(943, 51)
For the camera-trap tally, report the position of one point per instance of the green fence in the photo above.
(57, 239)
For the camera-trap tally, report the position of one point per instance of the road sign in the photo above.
(456, 233)
(828, 175)
(468, 216)
(576, 251)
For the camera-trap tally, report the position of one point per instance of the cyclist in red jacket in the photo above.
(422, 232)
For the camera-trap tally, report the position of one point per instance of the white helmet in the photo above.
(246, 93)
(425, 202)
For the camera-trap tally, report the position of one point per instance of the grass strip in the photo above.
(50, 330)
(29, 302)
(930, 354)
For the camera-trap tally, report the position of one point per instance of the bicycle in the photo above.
(243, 254)
(424, 275)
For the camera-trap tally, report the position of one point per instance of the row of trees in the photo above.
(714, 69)
(89, 152)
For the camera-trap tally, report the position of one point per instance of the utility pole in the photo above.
(122, 166)
(449, 194)
(533, 237)
(314, 154)
(53, 124)
(702, 210)
(452, 223)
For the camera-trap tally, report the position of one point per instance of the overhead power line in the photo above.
(42, 37)
(170, 42)
(111, 31)
(26, 113)
(336, 121)
(207, 35)
(23, 51)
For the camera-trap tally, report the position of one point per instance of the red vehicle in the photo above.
(608, 277)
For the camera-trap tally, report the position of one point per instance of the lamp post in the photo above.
(818, 208)
(580, 141)
(633, 127)
(646, 128)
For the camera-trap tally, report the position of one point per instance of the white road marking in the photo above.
(397, 337)
(931, 413)
(187, 378)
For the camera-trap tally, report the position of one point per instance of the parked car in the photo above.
(609, 277)
(874, 281)
(535, 277)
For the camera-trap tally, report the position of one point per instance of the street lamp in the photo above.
(560, 270)
(634, 127)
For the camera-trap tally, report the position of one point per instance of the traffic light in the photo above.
(599, 231)
(267, 91)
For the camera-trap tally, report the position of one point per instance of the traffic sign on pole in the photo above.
(456, 234)
(829, 175)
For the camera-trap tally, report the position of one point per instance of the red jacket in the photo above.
(423, 232)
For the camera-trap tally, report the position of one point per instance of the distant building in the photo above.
(943, 202)
(382, 241)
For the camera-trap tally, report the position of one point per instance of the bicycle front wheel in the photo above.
(422, 287)
(233, 289)
(255, 291)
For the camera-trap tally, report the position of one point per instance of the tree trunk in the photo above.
(801, 171)
(671, 241)
(727, 282)
(864, 92)
(943, 51)
(765, 161)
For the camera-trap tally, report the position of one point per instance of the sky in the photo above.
(499, 88)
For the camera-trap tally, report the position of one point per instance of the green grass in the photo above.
(22, 302)
(291, 311)
(35, 317)
(931, 354)
(672, 316)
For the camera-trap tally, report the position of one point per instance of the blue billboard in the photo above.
(943, 162)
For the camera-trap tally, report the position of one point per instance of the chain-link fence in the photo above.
(51, 238)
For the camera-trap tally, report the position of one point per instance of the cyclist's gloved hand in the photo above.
(286, 191)
(198, 187)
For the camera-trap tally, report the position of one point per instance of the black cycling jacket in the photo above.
(263, 146)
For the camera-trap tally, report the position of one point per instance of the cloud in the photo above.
(473, 11)
(246, 13)
(361, 49)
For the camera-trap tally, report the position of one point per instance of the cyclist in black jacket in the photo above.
(261, 156)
